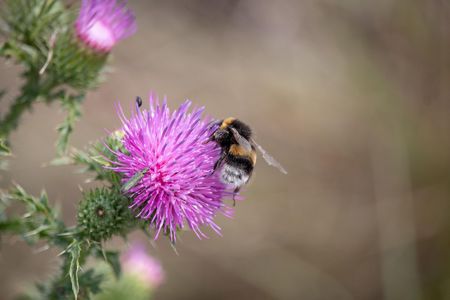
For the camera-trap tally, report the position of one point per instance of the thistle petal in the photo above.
(177, 188)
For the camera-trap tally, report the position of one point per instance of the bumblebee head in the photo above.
(221, 135)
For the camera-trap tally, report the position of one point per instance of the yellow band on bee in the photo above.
(227, 122)
(238, 150)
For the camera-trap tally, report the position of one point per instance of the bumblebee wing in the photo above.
(241, 140)
(269, 159)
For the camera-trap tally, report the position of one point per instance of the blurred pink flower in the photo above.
(103, 23)
(138, 263)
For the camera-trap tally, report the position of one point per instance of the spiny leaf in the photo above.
(72, 106)
(4, 150)
(91, 281)
(100, 155)
(40, 205)
(75, 251)
(13, 225)
(39, 221)
(61, 161)
(37, 230)
(133, 180)
(101, 160)
(113, 259)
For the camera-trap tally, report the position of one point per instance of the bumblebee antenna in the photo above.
(139, 101)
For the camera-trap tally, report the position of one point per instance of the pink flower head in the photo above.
(103, 23)
(175, 160)
(138, 263)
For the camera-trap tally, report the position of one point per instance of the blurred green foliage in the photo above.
(40, 36)
(102, 213)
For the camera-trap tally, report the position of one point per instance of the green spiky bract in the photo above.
(103, 213)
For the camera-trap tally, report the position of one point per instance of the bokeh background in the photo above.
(351, 96)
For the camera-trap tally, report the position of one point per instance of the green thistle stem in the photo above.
(31, 91)
(11, 120)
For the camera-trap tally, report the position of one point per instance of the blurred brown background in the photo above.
(351, 96)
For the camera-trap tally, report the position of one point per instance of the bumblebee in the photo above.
(238, 156)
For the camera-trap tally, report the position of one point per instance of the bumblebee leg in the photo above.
(219, 162)
(236, 190)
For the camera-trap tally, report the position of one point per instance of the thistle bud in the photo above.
(103, 213)
(102, 24)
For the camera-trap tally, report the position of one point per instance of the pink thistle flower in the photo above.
(136, 262)
(170, 152)
(103, 23)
